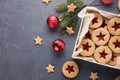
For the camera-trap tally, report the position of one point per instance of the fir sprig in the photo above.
(70, 18)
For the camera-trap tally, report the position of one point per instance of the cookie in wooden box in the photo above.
(88, 47)
(114, 26)
(97, 20)
(100, 36)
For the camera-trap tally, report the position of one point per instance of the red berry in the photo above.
(53, 21)
(107, 1)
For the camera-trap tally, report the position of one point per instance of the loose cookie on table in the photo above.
(38, 40)
(70, 30)
(119, 4)
(46, 1)
(100, 36)
(114, 26)
(70, 69)
(93, 76)
(114, 44)
(88, 47)
(103, 54)
(97, 21)
(117, 78)
(50, 68)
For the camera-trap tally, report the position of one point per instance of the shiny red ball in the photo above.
(107, 1)
(53, 21)
(58, 45)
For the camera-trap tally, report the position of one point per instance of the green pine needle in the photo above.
(62, 7)
(69, 18)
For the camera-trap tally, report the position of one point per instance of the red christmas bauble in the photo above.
(107, 1)
(53, 21)
(58, 45)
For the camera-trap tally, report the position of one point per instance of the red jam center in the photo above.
(103, 24)
(69, 69)
(100, 36)
(86, 46)
(88, 35)
(117, 44)
(103, 54)
(116, 26)
(113, 57)
(94, 20)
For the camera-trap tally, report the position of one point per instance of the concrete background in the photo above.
(21, 59)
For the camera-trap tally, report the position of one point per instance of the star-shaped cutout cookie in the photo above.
(93, 76)
(71, 7)
(118, 77)
(50, 68)
(119, 4)
(69, 30)
(46, 1)
(38, 40)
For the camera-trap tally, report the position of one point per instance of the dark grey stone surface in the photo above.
(20, 59)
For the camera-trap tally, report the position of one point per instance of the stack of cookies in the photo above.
(102, 41)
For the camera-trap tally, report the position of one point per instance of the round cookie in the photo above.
(100, 36)
(88, 35)
(103, 54)
(97, 21)
(114, 26)
(70, 69)
(114, 44)
(88, 47)
(105, 23)
(113, 60)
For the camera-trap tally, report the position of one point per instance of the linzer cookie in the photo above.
(114, 44)
(105, 23)
(70, 69)
(97, 21)
(100, 36)
(101, 42)
(103, 54)
(88, 35)
(113, 60)
(114, 26)
(88, 47)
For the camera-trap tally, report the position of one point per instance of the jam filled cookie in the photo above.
(70, 69)
(105, 22)
(113, 60)
(97, 21)
(88, 47)
(100, 36)
(114, 26)
(88, 35)
(114, 44)
(103, 54)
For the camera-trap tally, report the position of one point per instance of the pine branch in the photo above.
(62, 7)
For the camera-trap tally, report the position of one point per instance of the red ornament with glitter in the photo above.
(58, 45)
(53, 21)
